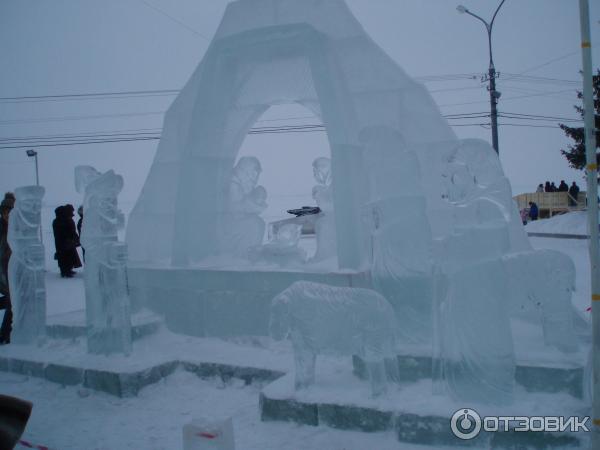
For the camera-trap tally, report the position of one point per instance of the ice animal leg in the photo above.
(392, 370)
(305, 366)
(377, 376)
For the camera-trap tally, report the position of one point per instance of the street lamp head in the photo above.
(461, 9)
(31, 153)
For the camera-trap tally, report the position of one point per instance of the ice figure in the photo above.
(243, 227)
(26, 275)
(547, 301)
(474, 354)
(401, 237)
(325, 221)
(347, 321)
(107, 302)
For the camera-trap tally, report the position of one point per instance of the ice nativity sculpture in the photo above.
(26, 271)
(408, 210)
(108, 317)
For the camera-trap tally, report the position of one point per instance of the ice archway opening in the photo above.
(286, 144)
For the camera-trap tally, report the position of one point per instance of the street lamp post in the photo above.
(491, 76)
(34, 154)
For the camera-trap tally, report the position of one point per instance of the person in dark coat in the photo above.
(66, 241)
(573, 194)
(553, 187)
(547, 187)
(563, 187)
(533, 211)
(79, 225)
(6, 206)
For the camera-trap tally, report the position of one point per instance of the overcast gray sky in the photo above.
(87, 46)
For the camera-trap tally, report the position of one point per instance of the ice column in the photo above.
(107, 302)
(26, 267)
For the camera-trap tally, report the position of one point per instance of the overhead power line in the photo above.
(175, 19)
(155, 133)
(90, 96)
(553, 60)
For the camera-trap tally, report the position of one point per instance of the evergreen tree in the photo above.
(575, 153)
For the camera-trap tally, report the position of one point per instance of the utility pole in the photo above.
(491, 75)
(592, 206)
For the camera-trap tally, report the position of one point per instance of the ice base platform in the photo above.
(71, 325)
(223, 302)
(411, 411)
(530, 375)
(154, 357)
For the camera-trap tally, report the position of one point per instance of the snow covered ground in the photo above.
(571, 223)
(77, 418)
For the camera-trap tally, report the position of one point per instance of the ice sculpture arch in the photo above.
(266, 52)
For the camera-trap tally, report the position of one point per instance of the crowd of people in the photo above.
(66, 240)
(573, 190)
(532, 212)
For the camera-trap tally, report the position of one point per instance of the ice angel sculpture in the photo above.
(107, 302)
(26, 266)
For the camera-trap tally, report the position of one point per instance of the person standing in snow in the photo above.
(79, 225)
(5, 207)
(573, 194)
(66, 241)
(533, 211)
(524, 213)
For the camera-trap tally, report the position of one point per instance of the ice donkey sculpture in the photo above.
(107, 303)
(407, 195)
(26, 275)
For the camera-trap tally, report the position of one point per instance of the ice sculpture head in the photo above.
(247, 171)
(84, 175)
(29, 204)
(322, 171)
(102, 197)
